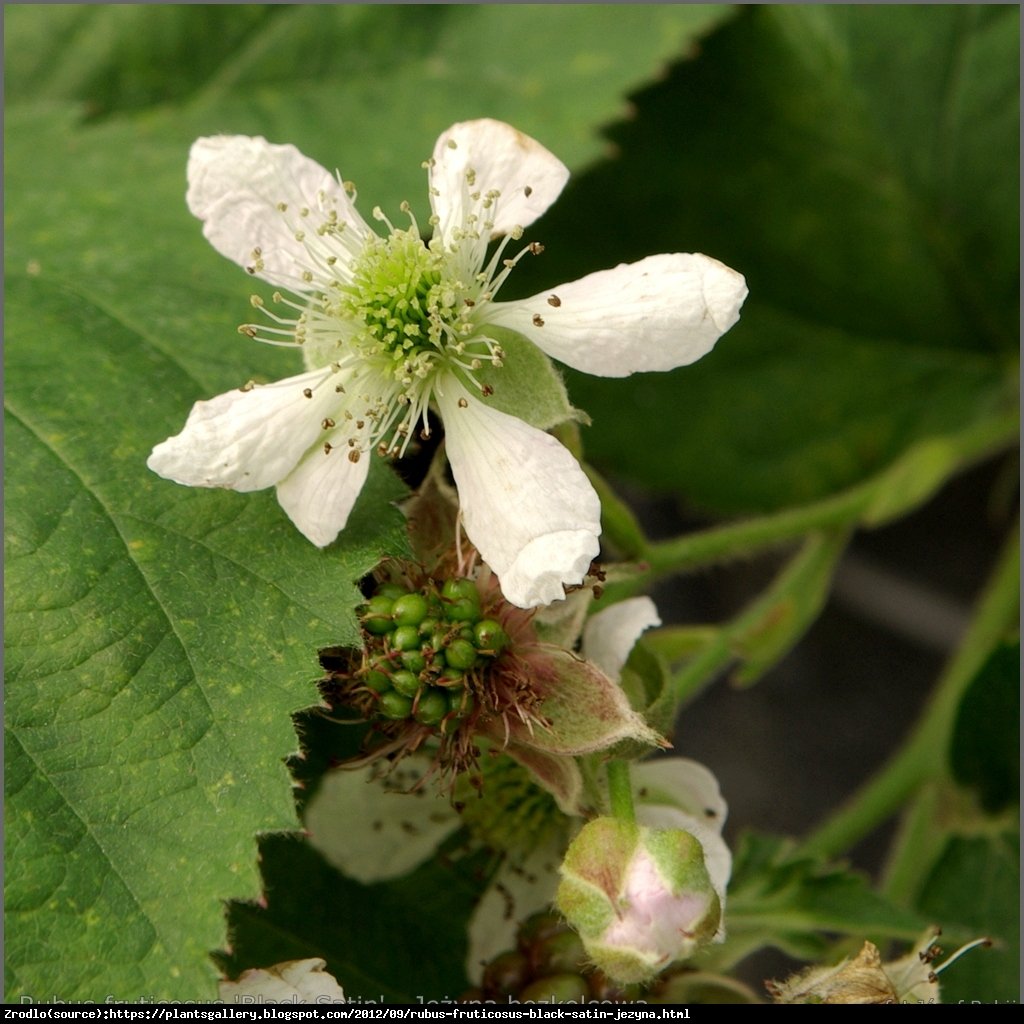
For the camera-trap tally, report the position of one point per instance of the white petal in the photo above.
(296, 981)
(681, 783)
(663, 312)
(609, 636)
(526, 504)
(319, 493)
(247, 440)
(528, 177)
(235, 186)
(373, 829)
(522, 887)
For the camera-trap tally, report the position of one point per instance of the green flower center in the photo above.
(397, 292)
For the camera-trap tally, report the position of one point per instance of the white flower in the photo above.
(297, 981)
(390, 327)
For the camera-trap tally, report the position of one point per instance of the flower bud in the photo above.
(639, 897)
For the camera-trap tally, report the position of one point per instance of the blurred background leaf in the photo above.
(859, 165)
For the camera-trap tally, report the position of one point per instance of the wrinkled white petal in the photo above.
(246, 440)
(236, 185)
(372, 832)
(676, 792)
(681, 783)
(526, 504)
(662, 312)
(519, 889)
(527, 175)
(610, 635)
(295, 981)
(319, 493)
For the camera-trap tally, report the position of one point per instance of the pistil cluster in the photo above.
(428, 661)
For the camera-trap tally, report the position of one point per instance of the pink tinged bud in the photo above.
(640, 898)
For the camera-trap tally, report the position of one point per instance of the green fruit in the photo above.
(392, 590)
(377, 681)
(394, 705)
(406, 638)
(414, 661)
(460, 702)
(410, 610)
(377, 615)
(490, 636)
(405, 683)
(505, 974)
(428, 626)
(560, 953)
(433, 706)
(451, 677)
(461, 654)
(461, 600)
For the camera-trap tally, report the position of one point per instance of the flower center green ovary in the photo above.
(397, 295)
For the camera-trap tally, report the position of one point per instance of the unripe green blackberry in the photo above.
(377, 616)
(506, 974)
(405, 682)
(461, 654)
(410, 610)
(395, 705)
(461, 600)
(489, 636)
(406, 638)
(432, 707)
(414, 661)
(377, 681)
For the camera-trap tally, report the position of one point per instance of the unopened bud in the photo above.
(640, 898)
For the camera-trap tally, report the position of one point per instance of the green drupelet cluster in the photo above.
(424, 647)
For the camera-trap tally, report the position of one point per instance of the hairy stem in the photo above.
(620, 792)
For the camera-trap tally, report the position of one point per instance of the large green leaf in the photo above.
(157, 640)
(159, 637)
(859, 165)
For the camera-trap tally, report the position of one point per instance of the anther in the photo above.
(463, 404)
(283, 207)
(327, 423)
(538, 320)
(535, 248)
(308, 392)
(247, 329)
(554, 300)
(248, 386)
(527, 191)
(353, 455)
(256, 301)
(487, 391)
(328, 447)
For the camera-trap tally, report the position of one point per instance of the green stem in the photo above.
(732, 540)
(923, 755)
(620, 791)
